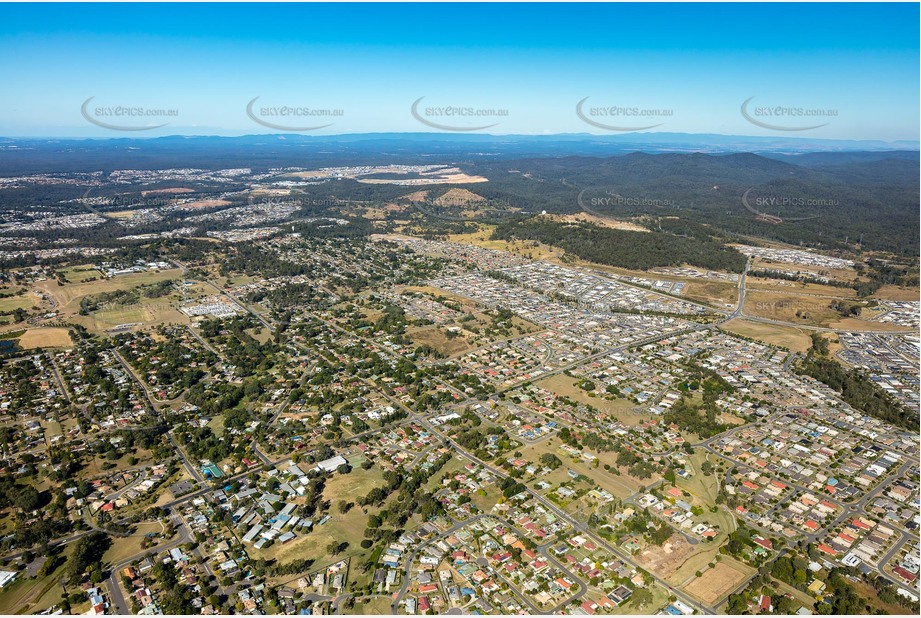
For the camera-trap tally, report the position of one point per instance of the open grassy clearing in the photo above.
(377, 605)
(20, 301)
(895, 292)
(81, 273)
(789, 337)
(720, 294)
(140, 314)
(30, 596)
(216, 425)
(620, 486)
(126, 548)
(528, 248)
(437, 338)
(798, 287)
(68, 296)
(46, 338)
(791, 307)
(705, 488)
(623, 409)
(715, 583)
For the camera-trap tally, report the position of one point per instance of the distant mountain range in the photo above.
(24, 155)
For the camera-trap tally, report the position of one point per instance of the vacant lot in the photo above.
(716, 293)
(46, 338)
(894, 292)
(664, 560)
(789, 337)
(791, 307)
(148, 314)
(704, 488)
(437, 337)
(525, 248)
(715, 583)
(622, 409)
(126, 548)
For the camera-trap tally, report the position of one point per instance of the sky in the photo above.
(831, 71)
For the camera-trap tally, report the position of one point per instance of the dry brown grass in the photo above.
(789, 337)
(717, 293)
(894, 292)
(46, 338)
(715, 583)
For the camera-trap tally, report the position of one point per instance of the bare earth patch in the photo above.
(206, 204)
(600, 221)
(173, 190)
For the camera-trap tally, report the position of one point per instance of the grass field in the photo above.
(20, 301)
(80, 274)
(715, 583)
(377, 605)
(68, 296)
(789, 337)
(785, 306)
(46, 338)
(529, 249)
(153, 313)
(705, 488)
(893, 292)
(125, 548)
(623, 409)
(717, 293)
(437, 338)
(620, 486)
(30, 596)
(795, 287)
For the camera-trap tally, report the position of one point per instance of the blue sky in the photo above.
(693, 65)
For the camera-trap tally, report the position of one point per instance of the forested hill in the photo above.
(821, 206)
(624, 248)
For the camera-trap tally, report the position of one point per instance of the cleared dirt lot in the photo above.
(665, 560)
